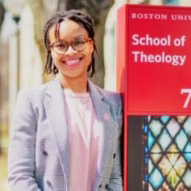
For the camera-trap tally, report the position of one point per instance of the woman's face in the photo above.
(71, 63)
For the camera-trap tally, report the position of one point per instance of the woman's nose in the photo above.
(70, 50)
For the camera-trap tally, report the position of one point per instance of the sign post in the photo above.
(154, 63)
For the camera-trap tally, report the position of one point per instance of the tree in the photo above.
(2, 11)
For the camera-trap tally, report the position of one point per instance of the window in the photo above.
(172, 2)
(167, 153)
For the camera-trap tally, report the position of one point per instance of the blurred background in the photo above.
(22, 52)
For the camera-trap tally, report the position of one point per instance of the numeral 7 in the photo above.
(187, 101)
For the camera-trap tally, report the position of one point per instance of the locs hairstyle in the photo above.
(79, 17)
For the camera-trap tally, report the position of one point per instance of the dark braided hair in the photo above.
(79, 17)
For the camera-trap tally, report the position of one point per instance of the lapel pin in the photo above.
(106, 116)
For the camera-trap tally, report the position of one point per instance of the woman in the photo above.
(66, 134)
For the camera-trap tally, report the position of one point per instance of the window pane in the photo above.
(167, 153)
(171, 2)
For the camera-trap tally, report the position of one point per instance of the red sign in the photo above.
(154, 59)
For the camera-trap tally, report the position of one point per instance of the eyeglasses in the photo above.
(77, 44)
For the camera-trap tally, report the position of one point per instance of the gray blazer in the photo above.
(39, 155)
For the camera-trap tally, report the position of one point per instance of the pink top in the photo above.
(85, 140)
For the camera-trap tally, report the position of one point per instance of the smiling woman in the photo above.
(74, 60)
(67, 126)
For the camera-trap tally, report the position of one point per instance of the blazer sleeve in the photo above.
(21, 158)
(116, 181)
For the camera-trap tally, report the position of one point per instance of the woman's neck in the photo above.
(77, 85)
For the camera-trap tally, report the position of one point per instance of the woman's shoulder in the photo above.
(114, 98)
(112, 94)
(36, 91)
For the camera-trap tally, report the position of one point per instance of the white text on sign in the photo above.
(161, 57)
(188, 92)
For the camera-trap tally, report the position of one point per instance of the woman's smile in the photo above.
(73, 62)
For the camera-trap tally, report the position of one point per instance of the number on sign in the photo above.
(187, 101)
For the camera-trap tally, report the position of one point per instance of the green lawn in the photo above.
(3, 158)
(3, 172)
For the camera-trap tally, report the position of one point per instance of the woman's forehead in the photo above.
(67, 29)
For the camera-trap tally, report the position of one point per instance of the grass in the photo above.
(3, 171)
(3, 158)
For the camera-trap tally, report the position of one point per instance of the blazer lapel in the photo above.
(105, 115)
(55, 109)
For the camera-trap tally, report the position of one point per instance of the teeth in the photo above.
(71, 62)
